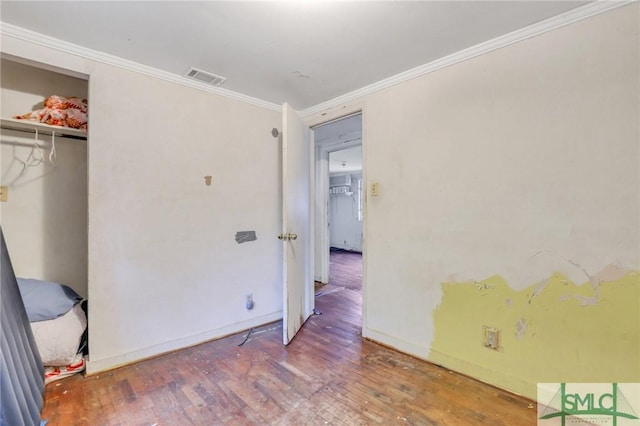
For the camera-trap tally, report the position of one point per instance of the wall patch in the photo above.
(245, 236)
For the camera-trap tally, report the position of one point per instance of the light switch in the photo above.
(375, 189)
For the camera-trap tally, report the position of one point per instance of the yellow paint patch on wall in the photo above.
(554, 331)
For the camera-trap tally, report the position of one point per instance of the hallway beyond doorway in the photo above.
(345, 269)
(346, 274)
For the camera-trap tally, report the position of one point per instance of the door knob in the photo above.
(288, 236)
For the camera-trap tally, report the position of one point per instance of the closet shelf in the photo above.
(44, 129)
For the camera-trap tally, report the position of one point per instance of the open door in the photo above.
(296, 223)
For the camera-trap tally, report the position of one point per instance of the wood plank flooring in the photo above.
(345, 269)
(327, 375)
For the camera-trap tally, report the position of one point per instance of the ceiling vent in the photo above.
(205, 77)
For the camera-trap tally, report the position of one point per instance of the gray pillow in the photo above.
(45, 300)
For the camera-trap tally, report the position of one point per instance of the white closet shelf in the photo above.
(45, 129)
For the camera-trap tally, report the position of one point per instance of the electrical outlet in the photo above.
(249, 303)
(491, 337)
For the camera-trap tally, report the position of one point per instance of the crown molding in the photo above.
(558, 21)
(555, 22)
(105, 58)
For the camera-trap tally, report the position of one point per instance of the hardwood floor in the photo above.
(327, 375)
(345, 269)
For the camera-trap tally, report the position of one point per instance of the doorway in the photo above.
(339, 205)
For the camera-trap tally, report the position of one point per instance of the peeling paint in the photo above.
(538, 289)
(610, 273)
(562, 331)
(521, 328)
(485, 286)
(594, 282)
(586, 301)
(577, 265)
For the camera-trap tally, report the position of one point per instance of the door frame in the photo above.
(320, 190)
(321, 194)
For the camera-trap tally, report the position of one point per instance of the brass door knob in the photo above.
(287, 237)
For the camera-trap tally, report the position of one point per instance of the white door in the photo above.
(296, 223)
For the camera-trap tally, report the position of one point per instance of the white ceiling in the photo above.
(304, 52)
(346, 161)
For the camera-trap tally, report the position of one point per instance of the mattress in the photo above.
(58, 339)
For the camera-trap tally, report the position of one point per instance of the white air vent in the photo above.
(205, 77)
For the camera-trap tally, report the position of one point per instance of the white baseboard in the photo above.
(484, 374)
(99, 365)
(409, 348)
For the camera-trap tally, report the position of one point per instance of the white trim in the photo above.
(99, 365)
(321, 230)
(105, 58)
(484, 374)
(410, 348)
(530, 31)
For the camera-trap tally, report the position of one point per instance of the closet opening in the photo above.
(43, 174)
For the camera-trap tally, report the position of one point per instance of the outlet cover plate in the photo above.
(491, 337)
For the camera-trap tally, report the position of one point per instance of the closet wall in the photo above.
(45, 217)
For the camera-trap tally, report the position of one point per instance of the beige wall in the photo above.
(45, 217)
(162, 243)
(511, 168)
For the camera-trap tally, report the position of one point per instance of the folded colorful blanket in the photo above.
(60, 111)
